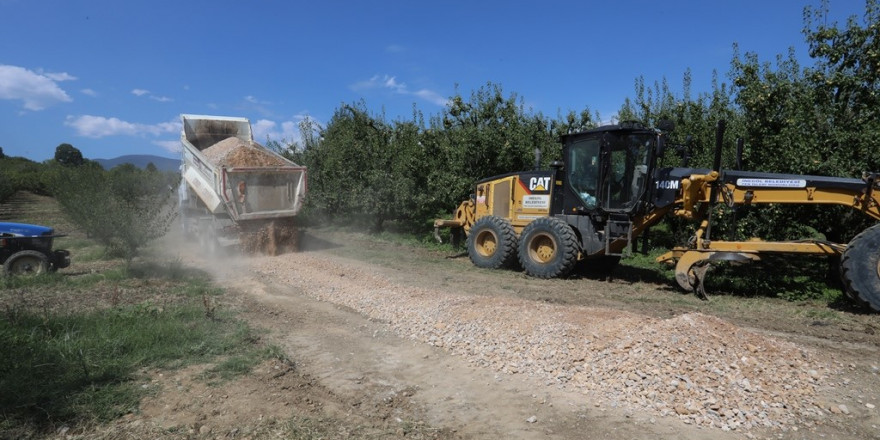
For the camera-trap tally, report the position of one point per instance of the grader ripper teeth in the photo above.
(608, 189)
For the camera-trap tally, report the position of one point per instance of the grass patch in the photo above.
(239, 364)
(48, 279)
(72, 347)
(63, 367)
(84, 249)
(74, 343)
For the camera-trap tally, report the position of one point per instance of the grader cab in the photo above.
(608, 190)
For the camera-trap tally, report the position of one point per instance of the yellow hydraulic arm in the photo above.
(743, 189)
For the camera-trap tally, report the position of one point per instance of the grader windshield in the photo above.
(624, 178)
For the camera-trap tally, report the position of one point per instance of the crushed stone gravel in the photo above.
(698, 368)
(234, 152)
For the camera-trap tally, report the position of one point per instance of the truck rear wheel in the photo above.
(491, 243)
(860, 268)
(26, 263)
(548, 248)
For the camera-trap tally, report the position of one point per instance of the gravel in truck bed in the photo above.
(234, 152)
(700, 369)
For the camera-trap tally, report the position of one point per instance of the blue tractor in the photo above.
(27, 249)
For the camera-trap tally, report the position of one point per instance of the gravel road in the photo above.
(694, 368)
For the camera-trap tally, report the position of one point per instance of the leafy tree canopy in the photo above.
(68, 155)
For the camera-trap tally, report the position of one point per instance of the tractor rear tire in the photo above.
(548, 248)
(492, 243)
(26, 263)
(860, 268)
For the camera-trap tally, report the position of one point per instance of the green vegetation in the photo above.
(74, 347)
(820, 119)
(134, 205)
(68, 155)
(20, 174)
(62, 363)
(377, 175)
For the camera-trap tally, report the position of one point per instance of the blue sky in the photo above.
(111, 77)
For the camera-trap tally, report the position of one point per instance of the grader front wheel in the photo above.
(492, 243)
(860, 268)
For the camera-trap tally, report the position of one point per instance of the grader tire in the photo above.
(860, 268)
(548, 248)
(491, 243)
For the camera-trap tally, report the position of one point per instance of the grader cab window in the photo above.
(584, 170)
(625, 178)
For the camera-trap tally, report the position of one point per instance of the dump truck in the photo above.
(235, 192)
(609, 188)
(26, 249)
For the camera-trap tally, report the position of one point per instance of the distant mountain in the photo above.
(141, 161)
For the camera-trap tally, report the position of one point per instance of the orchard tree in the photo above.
(695, 117)
(485, 135)
(133, 205)
(573, 122)
(820, 120)
(344, 166)
(846, 80)
(68, 155)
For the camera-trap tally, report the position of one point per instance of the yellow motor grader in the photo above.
(608, 189)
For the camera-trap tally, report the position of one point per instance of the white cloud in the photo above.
(264, 129)
(390, 82)
(100, 126)
(372, 83)
(286, 132)
(89, 92)
(37, 91)
(432, 96)
(58, 77)
(172, 146)
(253, 100)
(258, 105)
(149, 94)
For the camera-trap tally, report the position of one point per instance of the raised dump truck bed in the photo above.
(231, 182)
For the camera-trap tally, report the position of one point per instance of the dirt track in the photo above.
(390, 338)
(391, 341)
